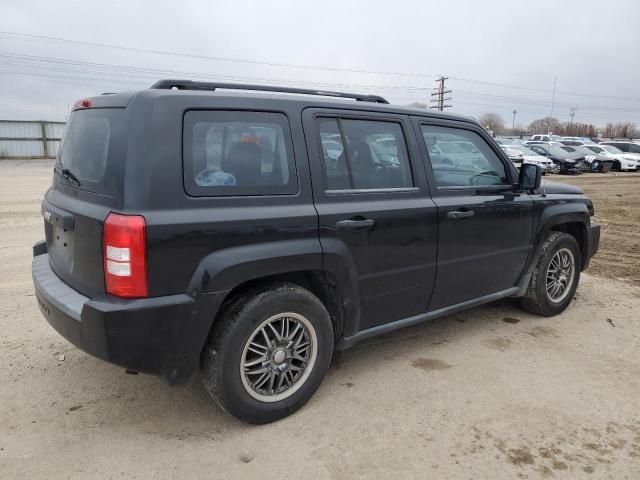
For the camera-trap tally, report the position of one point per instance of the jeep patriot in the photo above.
(250, 231)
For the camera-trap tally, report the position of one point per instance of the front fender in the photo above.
(561, 212)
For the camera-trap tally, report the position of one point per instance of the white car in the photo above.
(624, 161)
(509, 141)
(542, 142)
(514, 155)
(545, 138)
(582, 140)
(529, 156)
(630, 148)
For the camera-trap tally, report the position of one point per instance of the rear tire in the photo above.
(269, 353)
(555, 277)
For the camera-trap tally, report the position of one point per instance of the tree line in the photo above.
(494, 122)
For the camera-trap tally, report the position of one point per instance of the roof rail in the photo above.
(212, 86)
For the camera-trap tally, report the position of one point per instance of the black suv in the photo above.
(200, 226)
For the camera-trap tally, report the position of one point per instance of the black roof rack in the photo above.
(212, 86)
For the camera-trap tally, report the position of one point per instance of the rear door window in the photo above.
(375, 156)
(238, 153)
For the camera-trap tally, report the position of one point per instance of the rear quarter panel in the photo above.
(205, 244)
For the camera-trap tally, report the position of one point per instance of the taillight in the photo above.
(125, 256)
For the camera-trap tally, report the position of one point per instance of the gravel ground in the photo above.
(616, 198)
(490, 393)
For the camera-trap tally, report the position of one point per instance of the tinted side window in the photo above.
(538, 150)
(633, 148)
(456, 164)
(375, 156)
(622, 146)
(238, 153)
(336, 170)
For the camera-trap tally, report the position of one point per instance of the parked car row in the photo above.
(573, 155)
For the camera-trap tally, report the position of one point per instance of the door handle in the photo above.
(458, 214)
(355, 225)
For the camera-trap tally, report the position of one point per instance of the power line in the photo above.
(541, 103)
(210, 57)
(121, 70)
(74, 70)
(573, 94)
(293, 65)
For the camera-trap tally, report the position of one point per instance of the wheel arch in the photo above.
(240, 270)
(577, 230)
(571, 218)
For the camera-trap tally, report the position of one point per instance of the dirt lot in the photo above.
(491, 393)
(616, 197)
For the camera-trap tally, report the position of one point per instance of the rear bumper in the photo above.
(593, 243)
(162, 336)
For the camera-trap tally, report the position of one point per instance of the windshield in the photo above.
(557, 151)
(523, 150)
(583, 149)
(612, 149)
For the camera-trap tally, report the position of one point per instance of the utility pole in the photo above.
(438, 97)
(572, 114)
(553, 103)
(513, 125)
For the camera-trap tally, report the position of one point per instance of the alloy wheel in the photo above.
(560, 275)
(278, 357)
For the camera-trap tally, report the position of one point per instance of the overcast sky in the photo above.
(500, 55)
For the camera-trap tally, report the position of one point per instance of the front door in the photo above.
(375, 213)
(485, 224)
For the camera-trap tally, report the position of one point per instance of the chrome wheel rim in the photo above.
(278, 357)
(560, 274)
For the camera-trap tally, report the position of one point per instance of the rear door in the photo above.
(485, 225)
(374, 210)
(87, 185)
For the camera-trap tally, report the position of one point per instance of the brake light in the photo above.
(125, 256)
(80, 104)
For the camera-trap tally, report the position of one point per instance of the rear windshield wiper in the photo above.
(68, 174)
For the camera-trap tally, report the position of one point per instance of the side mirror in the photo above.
(530, 176)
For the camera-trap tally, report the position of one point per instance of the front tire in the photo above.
(269, 353)
(555, 277)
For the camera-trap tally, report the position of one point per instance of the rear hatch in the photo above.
(87, 185)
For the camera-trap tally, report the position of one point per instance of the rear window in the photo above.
(238, 153)
(86, 147)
